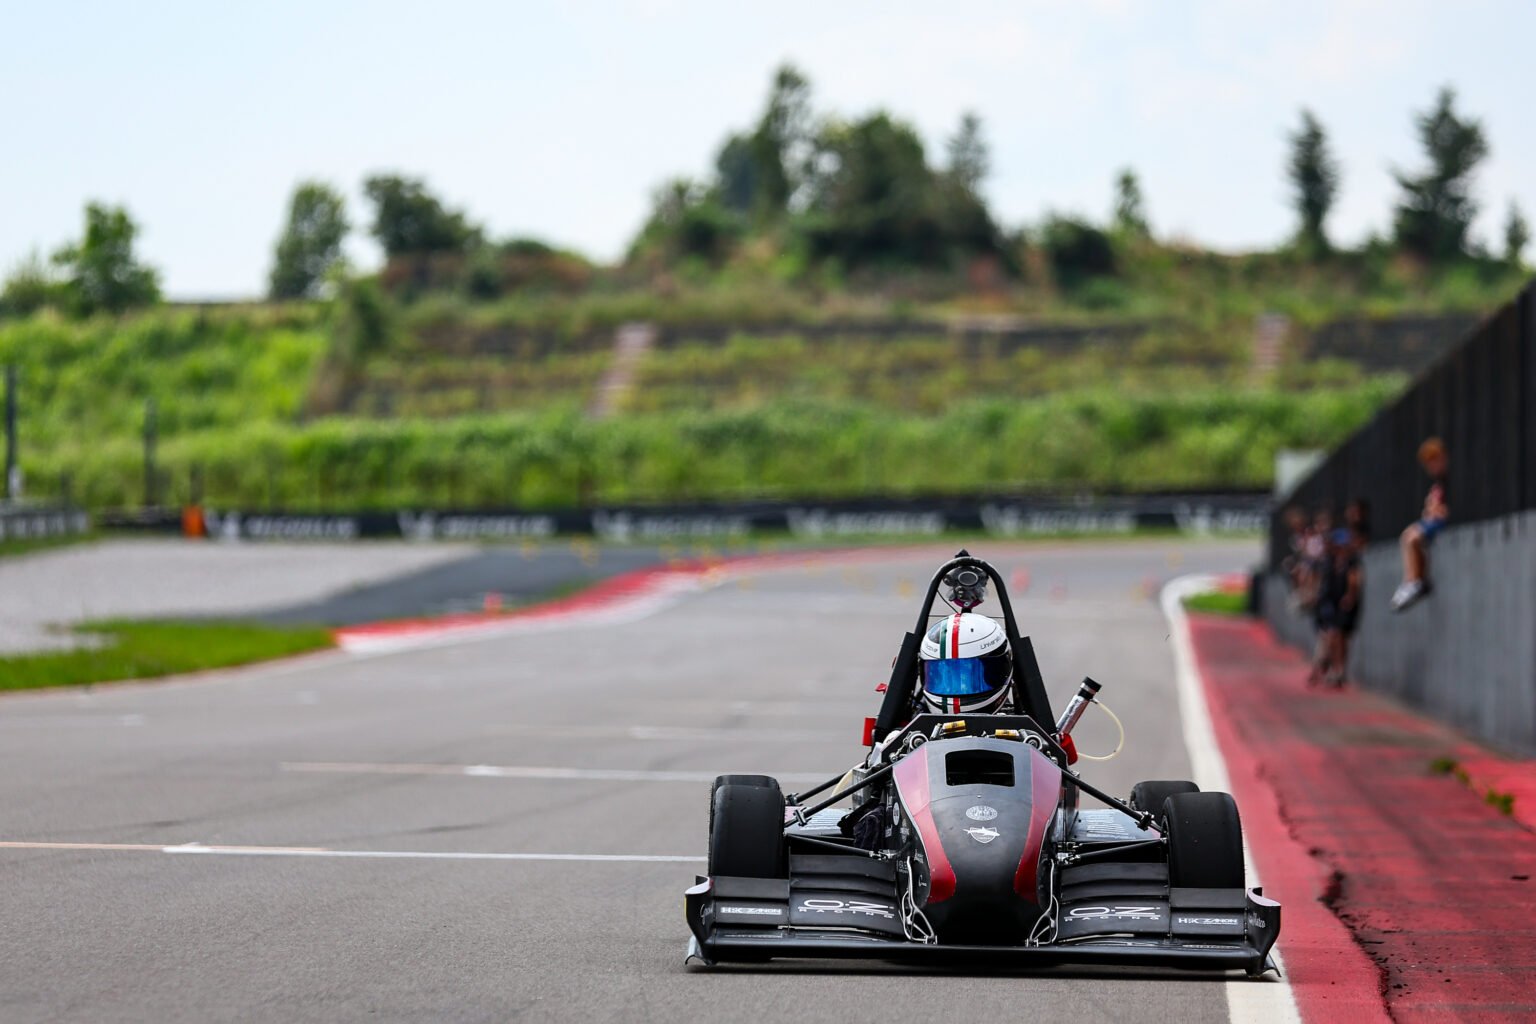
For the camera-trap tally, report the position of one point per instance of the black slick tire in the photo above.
(1150, 796)
(746, 831)
(736, 780)
(1205, 841)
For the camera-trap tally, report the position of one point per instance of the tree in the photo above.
(100, 272)
(1130, 208)
(969, 158)
(687, 222)
(777, 144)
(1078, 251)
(1436, 208)
(311, 242)
(876, 200)
(32, 284)
(736, 175)
(1314, 175)
(408, 220)
(1516, 234)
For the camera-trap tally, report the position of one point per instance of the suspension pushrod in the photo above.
(839, 847)
(803, 813)
(1143, 819)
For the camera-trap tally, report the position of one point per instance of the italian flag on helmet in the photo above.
(967, 664)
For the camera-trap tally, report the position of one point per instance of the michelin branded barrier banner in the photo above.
(998, 517)
(25, 523)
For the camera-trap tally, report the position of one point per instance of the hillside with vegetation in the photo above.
(833, 312)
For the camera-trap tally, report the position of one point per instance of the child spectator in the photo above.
(1417, 538)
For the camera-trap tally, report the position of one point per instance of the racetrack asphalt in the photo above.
(572, 741)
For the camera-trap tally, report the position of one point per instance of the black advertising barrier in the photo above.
(30, 523)
(995, 515)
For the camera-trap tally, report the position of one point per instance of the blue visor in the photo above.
(958, 677)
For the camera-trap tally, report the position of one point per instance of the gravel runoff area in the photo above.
(44, 593)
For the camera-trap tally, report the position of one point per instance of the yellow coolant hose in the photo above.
(1119, 744)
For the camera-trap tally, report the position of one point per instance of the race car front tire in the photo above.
(736, 780)
(1149, 796)
(1205, 841)
(746, 831)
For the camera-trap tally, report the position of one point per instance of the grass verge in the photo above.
(27, 545)
(1218, 602)
(144, 650)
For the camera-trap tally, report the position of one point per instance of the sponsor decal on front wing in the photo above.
(762, 911)
(865, 907)
(1230, 922)
(1114, 913)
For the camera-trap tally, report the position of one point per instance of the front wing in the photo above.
(843, 908)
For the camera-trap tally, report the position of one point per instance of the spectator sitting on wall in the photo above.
(1418, 537)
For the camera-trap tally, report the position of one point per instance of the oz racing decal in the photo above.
(864, 907)
(1114, 914)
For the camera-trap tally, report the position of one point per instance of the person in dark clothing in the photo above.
(1417, 538)
(1341, 585)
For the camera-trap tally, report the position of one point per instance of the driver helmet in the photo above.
(966, 664)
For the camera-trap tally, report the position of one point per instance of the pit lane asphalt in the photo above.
(773, 673)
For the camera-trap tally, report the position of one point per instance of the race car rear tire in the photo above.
(1149, 796)
(1205, 841)
(746, 831)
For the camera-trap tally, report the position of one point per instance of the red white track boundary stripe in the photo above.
(629, 597)
(1247, 999)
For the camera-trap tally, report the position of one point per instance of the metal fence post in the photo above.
(151, 488)
(12, 471)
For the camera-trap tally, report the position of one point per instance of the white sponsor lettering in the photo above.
(1203, 519)
(234, 525)
(433, 526)
(42, 524)
(1114, 913)
(825, 906)
(627, 526)
(819, 522)
(1228, 921)
(762, 911)
(1012, 520)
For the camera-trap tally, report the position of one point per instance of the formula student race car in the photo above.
(966, 842)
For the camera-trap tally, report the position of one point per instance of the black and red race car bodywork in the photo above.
(967, 842)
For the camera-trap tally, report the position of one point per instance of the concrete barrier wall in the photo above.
(1467, 653)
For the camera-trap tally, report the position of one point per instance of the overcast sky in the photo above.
(557, 119)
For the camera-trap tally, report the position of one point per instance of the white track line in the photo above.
(671, 733)
(1247, 1000)
(503, 771)
(317, 851)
